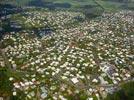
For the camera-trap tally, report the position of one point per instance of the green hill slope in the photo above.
(107, 4)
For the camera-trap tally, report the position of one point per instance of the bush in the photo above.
(125, 93)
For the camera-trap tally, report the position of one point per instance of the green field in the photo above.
(108, 5)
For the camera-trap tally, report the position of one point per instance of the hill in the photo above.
(106, 4)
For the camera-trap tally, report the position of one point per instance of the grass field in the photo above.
(108, 5)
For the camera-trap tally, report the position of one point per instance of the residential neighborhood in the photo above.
(62, 55)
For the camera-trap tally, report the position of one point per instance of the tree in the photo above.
(125, 93)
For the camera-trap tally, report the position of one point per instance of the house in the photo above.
(108, 69)
(45, 31)
(111, 89)
(15, 25)
(1, 29)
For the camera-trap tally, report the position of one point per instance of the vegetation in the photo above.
(125, 93)
(76, 58)
(74, 4)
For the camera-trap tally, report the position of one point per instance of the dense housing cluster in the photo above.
(39, 19)
(84, 61)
